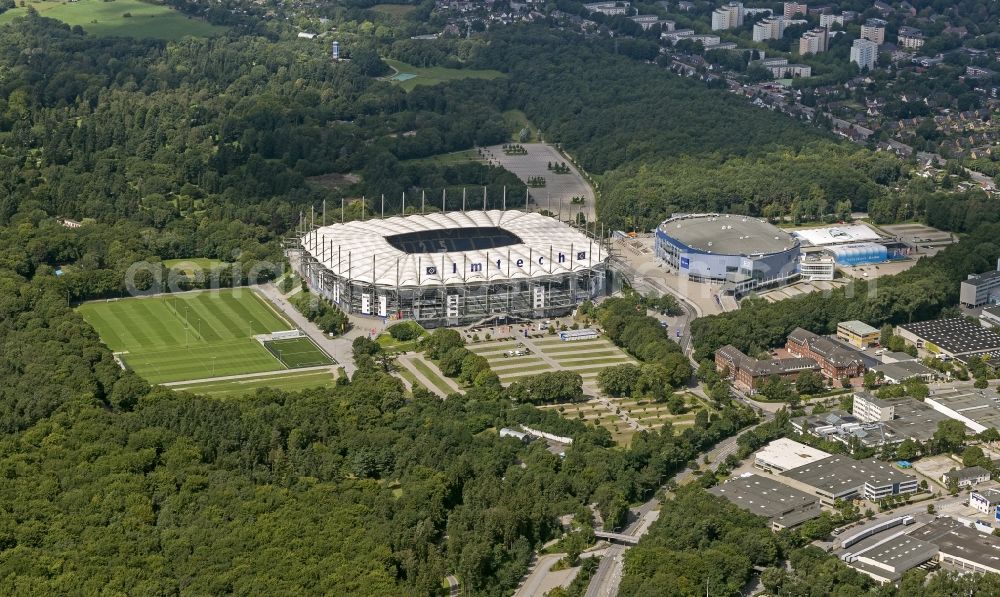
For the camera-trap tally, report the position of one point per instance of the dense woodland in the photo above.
(212, 148)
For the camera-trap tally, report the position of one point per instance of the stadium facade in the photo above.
(739, 252)
(454, 268)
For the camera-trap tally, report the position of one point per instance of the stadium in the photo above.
(739, 252)
(454, 268)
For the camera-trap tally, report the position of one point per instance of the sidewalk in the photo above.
(339, 348)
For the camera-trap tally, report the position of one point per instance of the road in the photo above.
(453, 585)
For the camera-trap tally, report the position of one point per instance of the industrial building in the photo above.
(986, 501)
(841, 477)
(784, 506)
(783, 454)
(966, 477)
(885, 559)
(453, 268)
(951, 338)
(961, 547)
(869, 409)
(902, 371)
(977, 409)
(739, 252)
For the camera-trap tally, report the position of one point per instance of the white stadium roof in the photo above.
(361, 251)
(834, 235)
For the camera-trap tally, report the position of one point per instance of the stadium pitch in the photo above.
(195, 335)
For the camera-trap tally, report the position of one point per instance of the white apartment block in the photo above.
(874, 30)
(829, 21)
(864, 53)
(814, 41)
(771, 28)
(790, 9)
(729, 16)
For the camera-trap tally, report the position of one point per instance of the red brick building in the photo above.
(835, 361)
(747, 373)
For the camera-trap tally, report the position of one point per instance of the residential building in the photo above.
(841, 477)
(874, 30)
(986, 501)
(747, 374)
(790, 9)
(960, 546)
(814, 41)
(685, 5)
(769, 28)
(784, 506)
(729, 16)
(817, 267)
(858, 334)
(676, 35)
(647, 22)
(68, 223)
(864, 53)
(950, 338)
(725, 45)
(705, 40)
(835, 361)
(980, 289)
(829, 21)
(910, 38)
(609, 8)
(966, 477)
(979, 72)
(870, 409)
(783, 455)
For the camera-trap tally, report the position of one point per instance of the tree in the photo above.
(619, 380)
(973, 456)
(809, 382)
(907, 449)
(949, 436)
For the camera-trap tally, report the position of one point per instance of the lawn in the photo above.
(434, 75)
(433, 376)
(395, 10)
(298, 352)
(289, 382)
(188, 336)
(108, 18)
(190, 267)
(453, 158)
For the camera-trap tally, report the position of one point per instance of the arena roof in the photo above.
(834, 235)
(728, 234)
(430, 250)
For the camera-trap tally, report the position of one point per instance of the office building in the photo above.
(990, 316)
(783, 455)
(986, 501)
(858, 334)
(910, 38)
(747, 373)
(870, 409)
(966, 477)
(769, 28)
(784, 506)
(952, 338)
(835, 361)
(980, 289)
(874, 30)
(729, 16)
(815, 267)
(841, 477)
(790, 9)
(864, 53)
(814, 41)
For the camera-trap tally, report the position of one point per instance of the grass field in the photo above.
(440, 385)
(297, 352)
(395, 10)
(188, 336)
(434, 75)
(289, 382)
(463, 156)
(108, 18)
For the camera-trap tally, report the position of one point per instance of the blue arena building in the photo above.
(739, 252)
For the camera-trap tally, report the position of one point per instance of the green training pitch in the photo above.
(289, 382)
(188, 336)
(101, 18)
(298, 352)
(408, 76)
